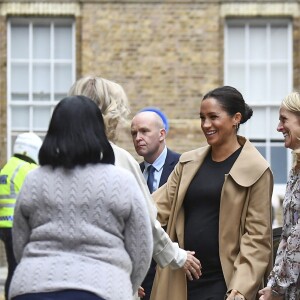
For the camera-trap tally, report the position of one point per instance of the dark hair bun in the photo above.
(248, 114)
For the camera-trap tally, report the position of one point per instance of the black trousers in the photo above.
(148, 281)
(6, 237)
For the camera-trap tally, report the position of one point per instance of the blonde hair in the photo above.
(292, 103)
(110, 98)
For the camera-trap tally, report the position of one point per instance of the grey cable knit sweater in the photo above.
(86, 228)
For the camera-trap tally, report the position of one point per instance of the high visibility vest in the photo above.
(12, 177)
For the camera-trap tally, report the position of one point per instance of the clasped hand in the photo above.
(192, 266)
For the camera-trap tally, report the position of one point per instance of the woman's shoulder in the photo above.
(122, 156)
(38, 172)
(253, 156)
(250, 166)
(111, 172)
(195, 154)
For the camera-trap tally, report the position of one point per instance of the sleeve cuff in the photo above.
(180, 259)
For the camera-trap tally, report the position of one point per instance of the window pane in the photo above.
(257, 42)
(257, 83)
(20, 118)
(41, 42)
(13, 139)
(262, 150)
(236, 77)
(19, 96)
(45, 72)
(279, 82)
(59, 96)
(19, 41)
(41, 117)
(236, 43)
(274, 123)
(62, 80)
(41, 82)
(242, 130)
(279, 164)
(256, 125)
(279, 42)
(63, 42)
(19, 82)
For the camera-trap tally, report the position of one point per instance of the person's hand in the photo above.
(141, 292)
(266, 294)
(192, 266)
(235, 295)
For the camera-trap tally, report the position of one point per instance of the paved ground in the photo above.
(3, 272)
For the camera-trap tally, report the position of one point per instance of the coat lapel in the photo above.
(240, 172)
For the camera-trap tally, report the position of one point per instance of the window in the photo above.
(40, 71)
(258, 62)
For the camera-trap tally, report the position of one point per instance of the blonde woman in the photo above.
(282, 283)
(112, 100)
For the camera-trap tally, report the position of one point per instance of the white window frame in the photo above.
(30, 102)
(267, 142)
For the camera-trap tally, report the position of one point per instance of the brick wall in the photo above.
(164, 55)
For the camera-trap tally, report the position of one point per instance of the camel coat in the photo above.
(245, 230)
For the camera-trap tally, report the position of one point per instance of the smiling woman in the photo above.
(283, 282)
(289, 126)
(220, 120)
(218, 128)
(217, 202)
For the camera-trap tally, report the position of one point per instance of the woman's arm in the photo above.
(21, 230)
(162, 197)
(165, 252)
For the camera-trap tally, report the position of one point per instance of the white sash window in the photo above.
(258, 62)
(40, 71)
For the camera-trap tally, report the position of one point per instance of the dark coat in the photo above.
(170, 162)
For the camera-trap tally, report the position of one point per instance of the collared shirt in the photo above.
(158, 165)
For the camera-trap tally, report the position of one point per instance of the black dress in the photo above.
(201, 230)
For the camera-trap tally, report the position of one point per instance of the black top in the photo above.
(201, 207)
